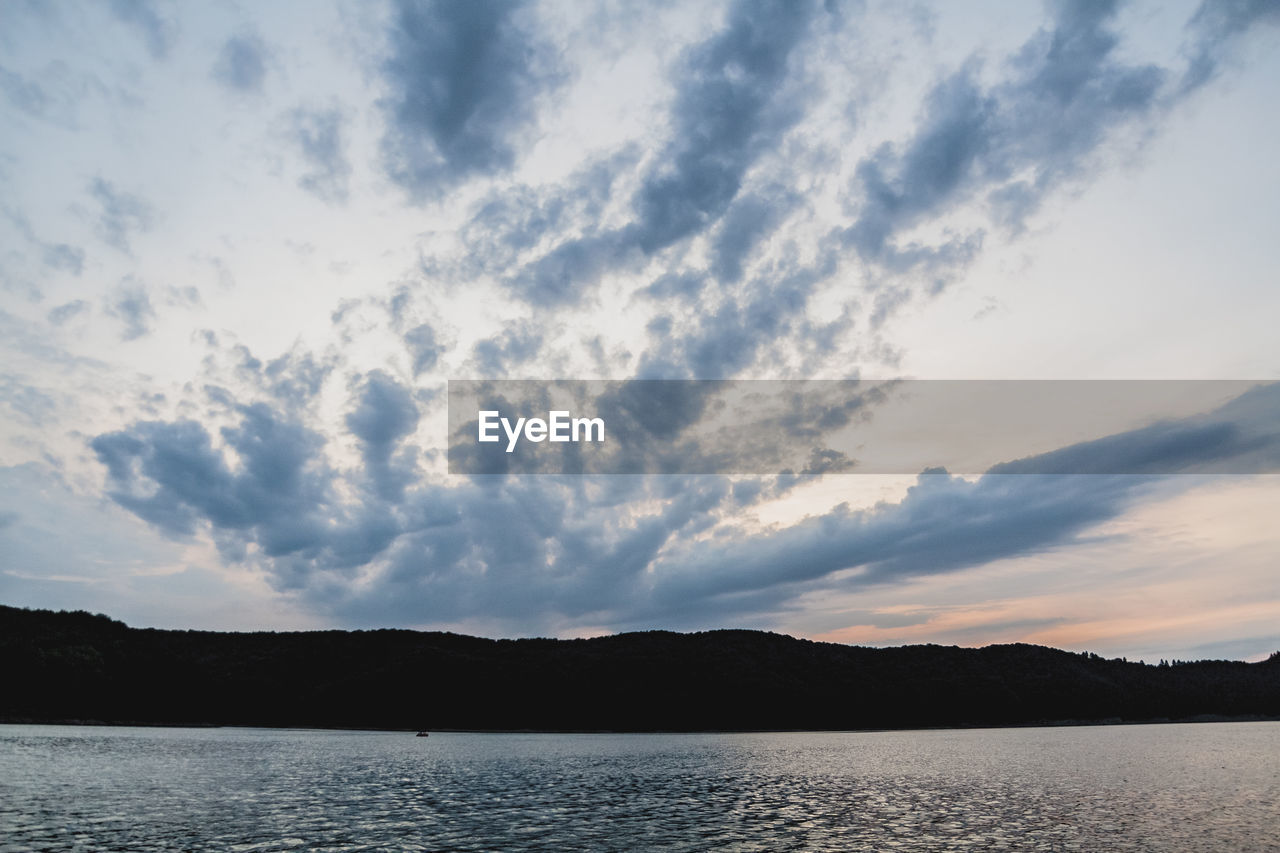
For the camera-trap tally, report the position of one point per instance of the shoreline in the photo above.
(1044, 724)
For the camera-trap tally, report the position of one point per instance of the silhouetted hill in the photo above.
(77, 666)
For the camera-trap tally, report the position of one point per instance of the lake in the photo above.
(1177, 787)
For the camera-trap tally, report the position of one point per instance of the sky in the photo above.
(244, 247)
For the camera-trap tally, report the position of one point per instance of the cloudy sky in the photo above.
(244, 246)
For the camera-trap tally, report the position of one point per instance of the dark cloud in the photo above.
(248, 365)
(170, 475)
(944, 524)
(242, 63)
(563, 549)
(657, 410)
(424, 349)
(462, 81)
(684, 286)
(60, 256)
(557, 543)
(384, 416)
(62, 313)
(511, 221)
(725, 339)
(1006, 145)
(121, 214)
(131, 304)
(156, 31)
(1001, 146)
(515, 345)
(733, 104)
(947, 524)
(1213, 28)
(277, 499)
(275, 503)
(524, 553)
(1237, 438)
(319, 137)
(558, 277)
(751, 218)
(292, 380)
(295, 379)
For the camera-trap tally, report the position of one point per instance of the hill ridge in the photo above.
(61, 666)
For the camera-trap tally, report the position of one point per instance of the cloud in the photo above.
(749, 219)
(34, 341)
(53, 92)
(531, 552)
(295, 379)
(182, 297)
(131, 304)
(726, 338)
(563, 549)
(1239, 437)
(943, 525)
(1215, 25)
(1002, 146)
(462, 80)
(1000, 143)
(60, 256)
(660, 572)
(268, 495)
(947, 524)
(242, 63)
(62, 313)
(32, 404)
(121, 214)
(713, 215)
(275, 502)
(560, 276)
(423, 348)
(509, 222)
(515, 345)
(384, 416)
(732, 105)
(319, 137)
(292, 381)
(170, 475)
(28, 96)
(684, 286)
(1006, 145)
(157, 32)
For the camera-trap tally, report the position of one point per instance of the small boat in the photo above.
(423, 734)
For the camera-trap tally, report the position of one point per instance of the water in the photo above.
(1213, 786)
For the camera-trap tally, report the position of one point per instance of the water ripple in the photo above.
(1207, 787)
